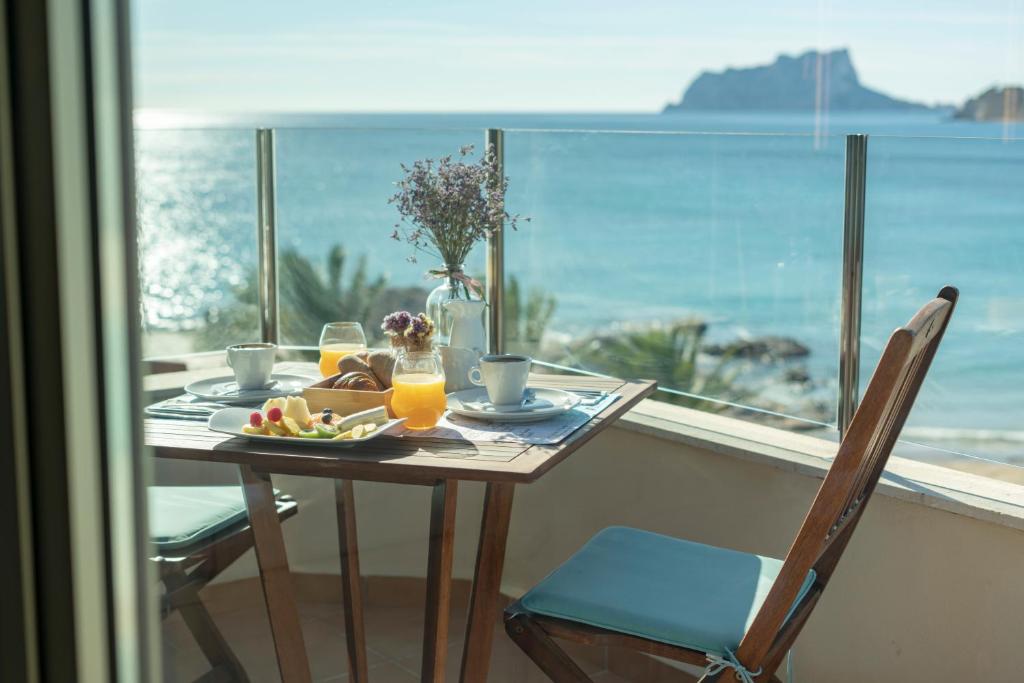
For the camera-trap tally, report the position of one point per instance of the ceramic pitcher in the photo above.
(468, 330)
(468, 342)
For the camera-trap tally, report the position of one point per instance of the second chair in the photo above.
(733, 613)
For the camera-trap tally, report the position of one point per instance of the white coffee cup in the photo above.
(253, 364)
(504, 376)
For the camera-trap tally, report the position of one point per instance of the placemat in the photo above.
(552, 431)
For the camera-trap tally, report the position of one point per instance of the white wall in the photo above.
(921, 594)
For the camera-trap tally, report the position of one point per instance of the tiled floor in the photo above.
(394, 633)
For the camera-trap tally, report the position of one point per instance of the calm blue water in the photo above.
(744, 230)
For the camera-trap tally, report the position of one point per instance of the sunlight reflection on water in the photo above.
(197, 220)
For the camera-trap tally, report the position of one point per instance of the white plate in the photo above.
(231, 420)
(544, 404)
(225, 390)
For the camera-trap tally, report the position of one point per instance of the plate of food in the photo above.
(288, 419)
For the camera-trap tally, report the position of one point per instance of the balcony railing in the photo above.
(743, 190)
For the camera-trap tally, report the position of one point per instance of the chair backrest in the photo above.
(849, 483)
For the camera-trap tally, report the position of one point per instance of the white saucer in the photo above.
(225, 390)
(543, 404)
(231, 420)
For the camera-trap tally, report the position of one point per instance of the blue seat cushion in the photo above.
(660, 588)
(182, 515)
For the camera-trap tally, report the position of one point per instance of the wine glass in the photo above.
(337, 341)
(419, 395)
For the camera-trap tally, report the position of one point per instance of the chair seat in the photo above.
(660, 588)
(180, 516)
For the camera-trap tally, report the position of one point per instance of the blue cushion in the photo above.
(182, 515)
(661, 588)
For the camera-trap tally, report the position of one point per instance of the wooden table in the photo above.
(440, 464)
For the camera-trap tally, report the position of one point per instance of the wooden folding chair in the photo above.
(199, 532)
(734, 613)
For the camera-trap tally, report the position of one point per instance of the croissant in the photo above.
(358, 381)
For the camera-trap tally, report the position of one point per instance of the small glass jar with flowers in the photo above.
(408, 332)
(419, 379)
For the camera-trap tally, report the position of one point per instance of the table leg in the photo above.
(351, 581)
(490, 561)
(278, 591)
(439, 580)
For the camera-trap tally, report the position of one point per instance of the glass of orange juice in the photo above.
(419, 389)
(337, 341)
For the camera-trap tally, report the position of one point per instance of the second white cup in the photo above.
(253, 364)
(505, 377)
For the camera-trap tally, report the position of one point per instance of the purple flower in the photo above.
(420, 328)
(408, 331)
(395, 324)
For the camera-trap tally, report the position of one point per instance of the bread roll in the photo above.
(382, 363)
(354, 362)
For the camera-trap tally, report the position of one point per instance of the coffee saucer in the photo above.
(225, 389)
(538, 404)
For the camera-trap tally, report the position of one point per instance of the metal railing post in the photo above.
(267, 234)
(853, 278)
(494, 140)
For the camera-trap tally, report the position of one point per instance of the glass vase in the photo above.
(450, 289)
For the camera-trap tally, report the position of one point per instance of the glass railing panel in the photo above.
(950, 211)
(336, 256)
(196, 201)
(708, 262)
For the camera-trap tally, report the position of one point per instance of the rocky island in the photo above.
(813, 80)
(995, 104)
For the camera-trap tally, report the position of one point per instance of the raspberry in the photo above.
(256, 419)
(274, 414)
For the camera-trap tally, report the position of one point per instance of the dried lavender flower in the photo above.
(449, 206)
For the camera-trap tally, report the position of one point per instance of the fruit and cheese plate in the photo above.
(288, 419)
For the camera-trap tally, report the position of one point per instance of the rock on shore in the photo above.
(765, 349)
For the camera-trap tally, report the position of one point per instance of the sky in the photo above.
(553, 56)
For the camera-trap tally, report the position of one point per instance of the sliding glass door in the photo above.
(76, 595)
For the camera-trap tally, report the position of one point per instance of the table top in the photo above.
(400, 459)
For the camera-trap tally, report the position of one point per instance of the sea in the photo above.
(639, 219)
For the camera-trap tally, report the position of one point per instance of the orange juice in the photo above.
(420, 398)
(330, 354)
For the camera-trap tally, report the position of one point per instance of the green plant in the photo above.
(669, 354)
(308, 298)
(526, 318)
